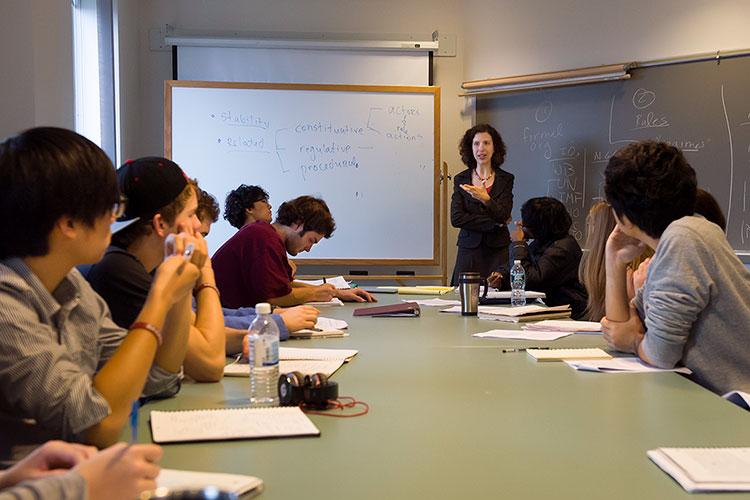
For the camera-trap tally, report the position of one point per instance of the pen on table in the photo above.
(134, 421)
(521, 349)
(324, 280)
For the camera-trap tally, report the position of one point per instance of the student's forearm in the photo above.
(234, 338)
(616, 296)
(298, 295)
(171, 354)
(204, 360)
(123, 376)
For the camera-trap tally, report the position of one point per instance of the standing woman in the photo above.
(481, 204)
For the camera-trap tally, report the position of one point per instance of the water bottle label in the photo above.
(272, 353)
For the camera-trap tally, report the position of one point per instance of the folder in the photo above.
(402, 309)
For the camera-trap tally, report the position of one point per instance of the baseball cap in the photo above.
(149, 184)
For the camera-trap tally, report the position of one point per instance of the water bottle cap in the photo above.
(516, 261)
(263, 308)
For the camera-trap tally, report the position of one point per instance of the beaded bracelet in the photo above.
(203, 286)
(149, 328)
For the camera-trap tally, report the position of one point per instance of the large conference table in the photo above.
(451, 416)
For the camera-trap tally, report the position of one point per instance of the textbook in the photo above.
(180, 480)
(405, 309)
(221, 424)
(562, 354)
(705, 469)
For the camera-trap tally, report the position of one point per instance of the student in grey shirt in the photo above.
(63, 363)
(694, 309)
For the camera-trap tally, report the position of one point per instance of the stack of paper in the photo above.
(505, 294)
(333, 302)
(522, 335)
(518, 314)
(621, 365)
(324, 327)
(566, 326)
(563, 354)
(306, 361)
(705, 469)
(178, 480)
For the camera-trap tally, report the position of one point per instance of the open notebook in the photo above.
(222, 424)
(238, 484)
(300, 359)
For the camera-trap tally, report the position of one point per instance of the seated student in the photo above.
(592, 273)
(695, 306)
(247, 204)
(63, 362)
(161, 203)
(58, 471)
(237, 321)
(551, 260)
(252, 266)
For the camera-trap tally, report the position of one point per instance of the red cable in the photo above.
(338, 404)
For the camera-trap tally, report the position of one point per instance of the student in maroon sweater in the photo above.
(252, 266)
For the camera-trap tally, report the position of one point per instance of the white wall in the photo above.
(36, 81)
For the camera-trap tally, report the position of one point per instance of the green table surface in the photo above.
(453, 417)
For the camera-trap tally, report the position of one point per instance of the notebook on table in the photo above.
(705, 469)
(305, 366)
(223, 424)
(239, 484)
(403, 309)
(563, 354)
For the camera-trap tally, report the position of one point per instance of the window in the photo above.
(94, 55)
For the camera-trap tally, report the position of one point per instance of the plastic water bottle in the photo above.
(263, 356)
(517, 284)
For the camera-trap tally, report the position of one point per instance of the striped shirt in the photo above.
(67, 486)
(51, 346)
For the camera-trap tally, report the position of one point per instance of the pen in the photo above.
(521, 349)
(134, 422)
(324, 280)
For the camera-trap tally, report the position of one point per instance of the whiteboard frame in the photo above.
(435, 91)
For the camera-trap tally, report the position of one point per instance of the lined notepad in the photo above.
(287, 353)
(561, 354)
(193, 480)
(706, 469)
(230, 423)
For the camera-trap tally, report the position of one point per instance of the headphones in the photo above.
(311, 391)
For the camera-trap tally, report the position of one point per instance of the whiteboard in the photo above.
(370, 152)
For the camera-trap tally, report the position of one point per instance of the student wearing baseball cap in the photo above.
(161, 203)
(66, 369)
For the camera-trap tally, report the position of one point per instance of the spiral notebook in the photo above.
(705, 469)
(223, 424)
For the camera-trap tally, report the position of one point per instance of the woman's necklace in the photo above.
(484, 180)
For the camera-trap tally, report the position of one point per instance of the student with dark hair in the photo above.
(66, 369)
(252, 265)
(552, 258)
(694, 308)
(162, 202)
(237, 321)
(247, 204)
(481, 204)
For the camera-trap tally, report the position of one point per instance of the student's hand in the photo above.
(53, 457)
(495, 279)
(299, 317)
(322, 293)
(516, 231)
(355, 295)
(476, 192)
(624, 336)
(622, 247)
(174, 279)
(294, 269)
(121, 471)
(191, 247)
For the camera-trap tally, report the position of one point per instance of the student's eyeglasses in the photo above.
(119, 207)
